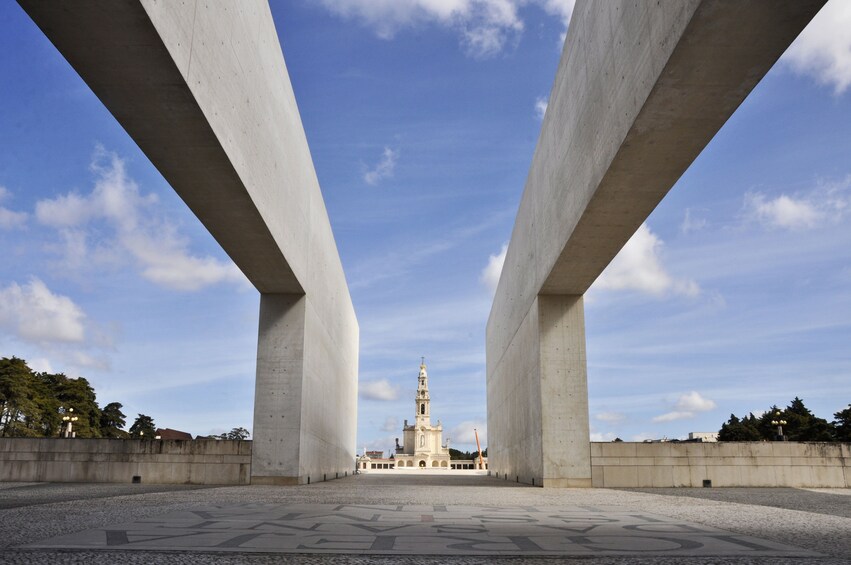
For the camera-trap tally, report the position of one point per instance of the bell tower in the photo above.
(422, 399)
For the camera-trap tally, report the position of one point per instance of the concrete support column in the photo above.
(278, 390)
(564, 392)
(538, 429)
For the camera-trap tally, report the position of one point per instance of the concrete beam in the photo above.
(203, 89)
(641, 88)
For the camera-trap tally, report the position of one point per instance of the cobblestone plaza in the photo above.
(386, 518)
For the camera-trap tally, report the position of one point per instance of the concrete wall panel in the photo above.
(514, 407)
(726, 464)
(118, 461)
(203, 89)
(641, 88)
(564, 392)
(278, 393)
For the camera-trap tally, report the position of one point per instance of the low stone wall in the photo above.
(119, 460)
(733, 464)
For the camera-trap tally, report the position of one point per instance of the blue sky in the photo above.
(422, 117)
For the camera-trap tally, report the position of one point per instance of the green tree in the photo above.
(735, 429)
(842, 425)
(79, 395)
(47, 421)
(236, 433)
(801, 424)
(19, 407)
(143, 427)
(459, 455)
(112, 421)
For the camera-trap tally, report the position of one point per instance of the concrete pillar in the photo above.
(305, 400)
(641, 89)
(564, 392)
(225, 132)
(278, 390)
(538, 429)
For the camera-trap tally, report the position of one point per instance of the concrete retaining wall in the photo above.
(745, 464)
(118, 461)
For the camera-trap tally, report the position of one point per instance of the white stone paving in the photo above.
(427, 519)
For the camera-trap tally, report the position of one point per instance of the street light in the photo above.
(69, 418)
(779, 423)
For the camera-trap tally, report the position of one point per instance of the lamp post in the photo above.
(69, 418)
(779, 423)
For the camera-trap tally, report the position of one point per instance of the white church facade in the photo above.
(423, 446)
(423, 443)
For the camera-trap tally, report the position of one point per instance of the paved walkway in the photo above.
(394, 518)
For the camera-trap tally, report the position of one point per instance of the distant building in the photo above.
(168, 433)
(703, 436)
(423, 443)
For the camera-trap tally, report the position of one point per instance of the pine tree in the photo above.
(143, 427)
(738, 430)
(842, 425)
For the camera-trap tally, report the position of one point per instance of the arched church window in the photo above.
(422, 408)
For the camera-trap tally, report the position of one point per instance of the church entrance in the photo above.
(422, 464)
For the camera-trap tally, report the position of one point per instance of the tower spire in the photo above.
(422, 399)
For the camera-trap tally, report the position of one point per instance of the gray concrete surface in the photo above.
(89, 460)
(785, 519)
(641, 88)
(203, 89)
(725, 464)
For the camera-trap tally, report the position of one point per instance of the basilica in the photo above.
(423, 443)
(423, 446)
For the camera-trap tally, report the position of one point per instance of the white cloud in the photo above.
(823, 50)
(541, 107)
(35, 314)
(383, 169)
(687, 406)
(70, 210)
(781, 212)
(484, 27)
(597, 436)
(638, 266)
(391, 424)
(692, 223)
(828, 202)
(115, 201)
(464, 433)
(40, 365)
(492, 271)
(561, 8)
(9, 219)
(675, 415)
(612, 417)
(378, 390)
(694, 402)
(85, 360)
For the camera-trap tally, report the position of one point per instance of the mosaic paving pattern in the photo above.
(416, 529)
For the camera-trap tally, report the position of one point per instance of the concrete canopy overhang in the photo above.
(203, 89)
(641, 89)
(148, 83)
